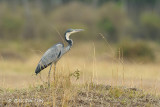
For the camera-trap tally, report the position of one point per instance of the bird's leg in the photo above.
(49, 75)
(54, 73)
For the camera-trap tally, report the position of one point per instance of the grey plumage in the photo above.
(53, 54)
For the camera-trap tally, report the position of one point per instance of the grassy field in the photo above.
(112, 63)
(63, 94)
(95, 64)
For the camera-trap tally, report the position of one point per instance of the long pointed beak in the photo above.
(78, 30)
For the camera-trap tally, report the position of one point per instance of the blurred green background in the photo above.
(131, 25)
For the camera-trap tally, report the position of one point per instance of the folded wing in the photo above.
(52, 55)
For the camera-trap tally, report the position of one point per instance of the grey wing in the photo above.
(50, 56)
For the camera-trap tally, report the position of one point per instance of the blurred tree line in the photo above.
(116, 19)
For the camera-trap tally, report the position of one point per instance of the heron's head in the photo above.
(71, 31)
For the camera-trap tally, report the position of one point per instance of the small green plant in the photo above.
(75, 74)
(115, 92)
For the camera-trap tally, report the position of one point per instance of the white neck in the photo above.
(67, 36)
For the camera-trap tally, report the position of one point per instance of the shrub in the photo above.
(138, 51)
(150, 23)
(107, 26)
(11, 26)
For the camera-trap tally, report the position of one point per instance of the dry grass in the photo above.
(63, 94)
(94, 65)
(98, 65)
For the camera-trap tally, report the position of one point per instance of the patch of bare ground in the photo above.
(64, 94)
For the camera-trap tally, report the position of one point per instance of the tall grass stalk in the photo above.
(141, 82)
(84, 66)
(155, 87)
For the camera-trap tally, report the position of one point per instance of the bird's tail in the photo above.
(38, 69)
